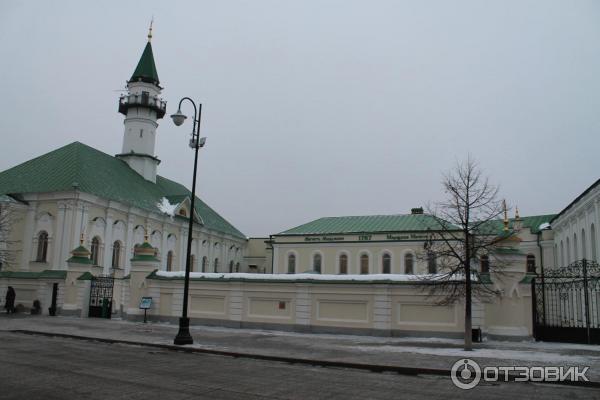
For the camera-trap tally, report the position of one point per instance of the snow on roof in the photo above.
(543, 226)
(166, 207)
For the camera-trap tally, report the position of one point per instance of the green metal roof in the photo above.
(45, 274)
(366, 224)
(98, 173)
(532, 222)
(146, 69)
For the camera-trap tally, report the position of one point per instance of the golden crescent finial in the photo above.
(150, 30)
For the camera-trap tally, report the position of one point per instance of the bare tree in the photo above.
(464, 232)
(7, 219)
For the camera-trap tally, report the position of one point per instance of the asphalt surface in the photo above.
(39, 367)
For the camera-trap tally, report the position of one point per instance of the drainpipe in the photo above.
(539, 235)
(272, 253)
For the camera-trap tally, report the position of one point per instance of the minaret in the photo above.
(142, 107)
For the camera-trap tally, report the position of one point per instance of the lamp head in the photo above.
(178, 118)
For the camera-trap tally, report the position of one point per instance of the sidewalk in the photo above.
(428, 353)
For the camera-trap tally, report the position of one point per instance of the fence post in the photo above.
(534, 314)
(587, 301)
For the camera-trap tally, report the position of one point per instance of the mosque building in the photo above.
(111, 202)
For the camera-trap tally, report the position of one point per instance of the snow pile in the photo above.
(166, 207)
(543, 226)
(299, 277)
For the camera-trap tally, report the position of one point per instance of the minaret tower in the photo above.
(142, 107)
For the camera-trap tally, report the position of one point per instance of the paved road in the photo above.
(37, 367)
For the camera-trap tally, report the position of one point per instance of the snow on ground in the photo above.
(503, 354)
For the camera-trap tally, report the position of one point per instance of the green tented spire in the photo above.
(146, 69)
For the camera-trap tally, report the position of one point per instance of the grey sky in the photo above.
(320, 108)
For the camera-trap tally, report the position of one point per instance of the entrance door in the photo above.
(101, 293)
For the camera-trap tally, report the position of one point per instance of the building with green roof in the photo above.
(376, 244)
(112, 202)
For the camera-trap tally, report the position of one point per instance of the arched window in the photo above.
(291, 264)
(237, 267)
(568, 250)
(204, 263)
(431, 263)
(116, 254)
(343, 264)
(562, 254)
(575, 250)
(484, 264)
(216, 265)
(386, 264)
(95, 250)
(317, 263)
(170, 260)
(530, 264)
(192, 262)
(42, 247)
(409, 264)
(230, 266)
(583, 246)
(364, 264)
(593, 242)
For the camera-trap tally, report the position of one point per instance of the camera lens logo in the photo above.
(465, 374)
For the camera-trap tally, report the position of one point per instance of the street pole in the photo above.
(184, 336)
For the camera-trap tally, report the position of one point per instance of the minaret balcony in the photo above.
(143, 100)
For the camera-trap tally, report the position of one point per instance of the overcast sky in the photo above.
(320, 108)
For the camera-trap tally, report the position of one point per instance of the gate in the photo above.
(101, 294)
(566, 304)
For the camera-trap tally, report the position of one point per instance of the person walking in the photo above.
(10, 300)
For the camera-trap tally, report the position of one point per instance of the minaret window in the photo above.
(141, 133)
(204, 263)
(145, 98)
(216, 264)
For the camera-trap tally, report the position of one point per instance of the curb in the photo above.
(413, 371)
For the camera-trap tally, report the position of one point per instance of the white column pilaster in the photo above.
(108, 243)
(28, 236)
(129, 244)
(163, 248)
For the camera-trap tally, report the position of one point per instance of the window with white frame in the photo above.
(409, 264)
(364, 264)
(343, 267)
(386, 264)
(291, 267)
(42, 247)
(317, 263)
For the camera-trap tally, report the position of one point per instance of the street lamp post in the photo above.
(183, 336)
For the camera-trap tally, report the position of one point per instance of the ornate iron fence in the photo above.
(566, 303)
